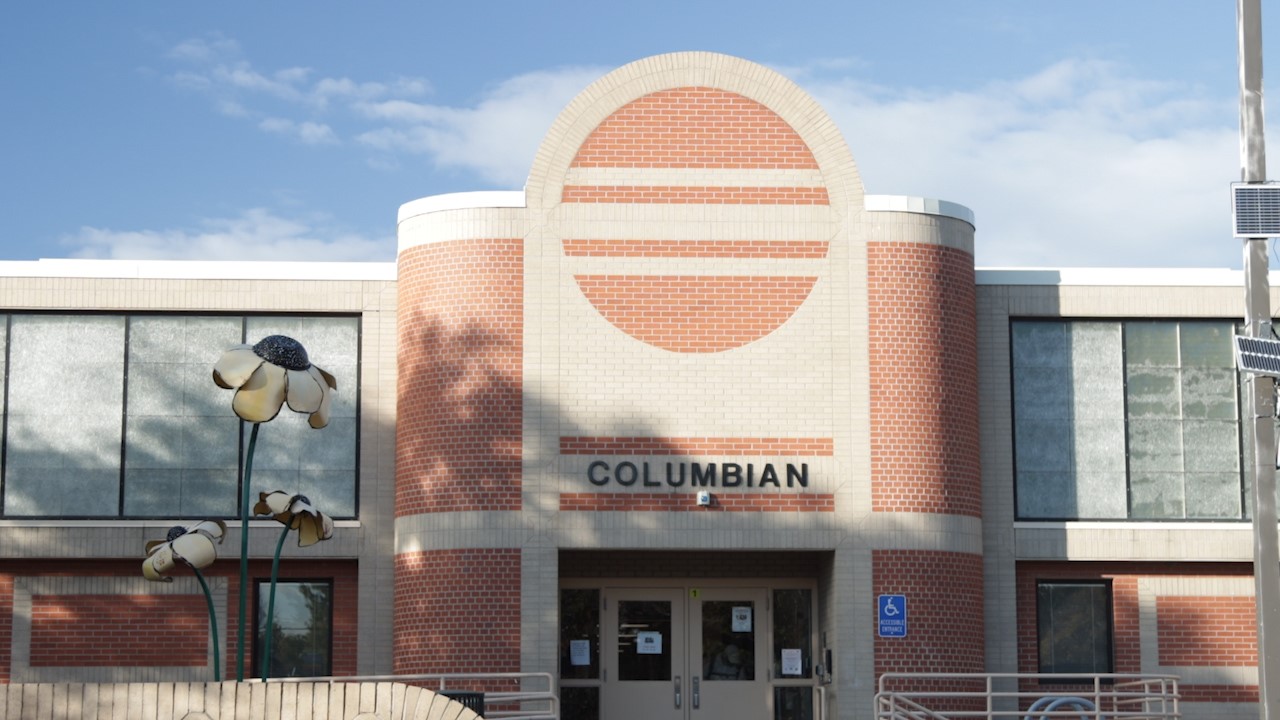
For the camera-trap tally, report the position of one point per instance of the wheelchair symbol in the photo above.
(890, 610)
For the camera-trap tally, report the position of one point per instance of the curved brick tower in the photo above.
(692, 292)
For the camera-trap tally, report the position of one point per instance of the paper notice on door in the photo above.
(579, 652)
(648, 642)
(792, 661)
(742, 618)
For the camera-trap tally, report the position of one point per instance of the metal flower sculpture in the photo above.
(194, 547)
(265, 376)
(273, 372)
(295, 512)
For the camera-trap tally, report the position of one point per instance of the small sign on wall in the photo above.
(648, 642)
(893, 616)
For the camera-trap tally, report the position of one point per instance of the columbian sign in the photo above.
(698, 475)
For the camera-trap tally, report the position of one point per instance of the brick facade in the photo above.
(460, 325)
(924, 380)
(1207, 631)
(692, 275)
(457, 611)
(672, 502)
(1187, 632)
(694, 127)
(87, 629)
(945, 611)
(696, 314)
(118, 630)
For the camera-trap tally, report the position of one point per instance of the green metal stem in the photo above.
(271, 602)
(213, 626)
(244, 553)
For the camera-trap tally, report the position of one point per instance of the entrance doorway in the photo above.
(683, 652)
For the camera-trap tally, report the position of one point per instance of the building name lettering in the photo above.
(698, 475)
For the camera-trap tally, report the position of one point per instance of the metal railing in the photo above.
(532, 696)
(1026, 696)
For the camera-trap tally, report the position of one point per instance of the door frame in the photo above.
(685, 584)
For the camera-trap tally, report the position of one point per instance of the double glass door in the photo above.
(684, 654)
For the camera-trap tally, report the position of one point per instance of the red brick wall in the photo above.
(687, 446)
(1181, 621)
(696, 314)
(739, 249)
(944, 611)
(1209, 631)
(694, 127)
(6, 625)
(459, 395)
(187, 611)
(701, 195)
(924, 380)
(119, 631)
(457, 611)
(685, 502)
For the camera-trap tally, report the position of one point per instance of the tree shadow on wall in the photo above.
(461, 435)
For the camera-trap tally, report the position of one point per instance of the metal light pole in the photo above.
(1261, 395)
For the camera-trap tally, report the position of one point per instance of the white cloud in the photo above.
(496, 139)
(289, 100)
(256, 234)
(308, 133)
(1077, 165)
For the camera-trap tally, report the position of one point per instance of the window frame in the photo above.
(1110, 626)
(261, 586)
(128, 317)
(1242, 473)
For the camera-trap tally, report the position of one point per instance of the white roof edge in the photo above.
(1133, 277)
(199, 269)
(461, 201)
(922, 205)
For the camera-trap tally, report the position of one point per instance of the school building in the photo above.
(693, 422)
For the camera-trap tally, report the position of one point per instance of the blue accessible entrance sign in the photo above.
(893, 616)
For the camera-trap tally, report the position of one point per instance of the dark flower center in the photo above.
(175, 532)
(283, 351)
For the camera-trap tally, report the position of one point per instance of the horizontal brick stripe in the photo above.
(694, 127)
(697, 446)
(739, 249)
(119, 631)
(686, 502)
(696, 314)
(703, 195)
(1219, 693)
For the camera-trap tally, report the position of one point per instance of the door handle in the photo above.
(677, 692)
(697, 695)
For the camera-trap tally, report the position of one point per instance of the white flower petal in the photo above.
(304, 393)
(320, 417)
(313, 528)
(259, 399)
(158, 563)
(214, 529)
(196, 549)
(274, 503)
(325, 377)
(235, 366)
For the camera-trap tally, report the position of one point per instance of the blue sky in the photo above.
(1083, 133)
